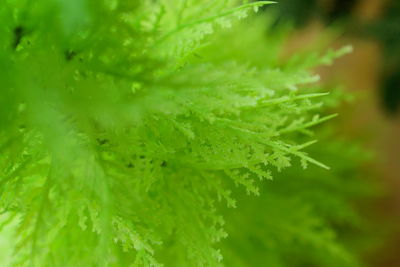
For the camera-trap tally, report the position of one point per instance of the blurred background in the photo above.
(372, 74)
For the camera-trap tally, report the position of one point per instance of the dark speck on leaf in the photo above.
(70, 54)
(18, 34)
(102, 141)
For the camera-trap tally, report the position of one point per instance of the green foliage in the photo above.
(304, 218)
(125, 125)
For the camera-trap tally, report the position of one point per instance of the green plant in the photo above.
(125, 125)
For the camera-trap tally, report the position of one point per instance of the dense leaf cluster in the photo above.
(125, 125)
